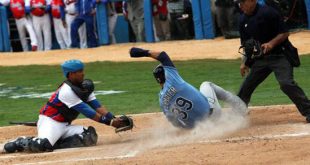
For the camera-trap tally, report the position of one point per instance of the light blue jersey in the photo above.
(182, 103)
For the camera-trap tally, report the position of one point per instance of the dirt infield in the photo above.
(268, 135)
(218, 48)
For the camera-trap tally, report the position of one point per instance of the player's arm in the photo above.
(100, 115)
(160, 56)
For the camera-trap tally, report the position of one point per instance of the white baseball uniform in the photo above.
(42, 23)
(23, 23)
(61, 31)
(71, 13)
(52, 127)
(112, 18)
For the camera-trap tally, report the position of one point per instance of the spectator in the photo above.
(160, 15)
(135, 15)
(226, 18)
(71, 13)
(41, 20)
(178, 20)
(60, 25)
(112, 15)
(86, 12)
(23, 23)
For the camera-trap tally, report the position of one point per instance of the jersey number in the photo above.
(182, 106)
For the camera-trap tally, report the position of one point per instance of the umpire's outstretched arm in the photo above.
(160, 56)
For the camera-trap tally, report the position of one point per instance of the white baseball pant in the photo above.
(54, 130)
(82, 31)
(43, 26)
(61, 34)
(214, 92)
(22, 25)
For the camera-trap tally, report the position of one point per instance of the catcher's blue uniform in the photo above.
(182, 103)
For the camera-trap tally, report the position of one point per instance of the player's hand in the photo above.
(64, 23)
(138, 52)
(244, 70)
(122, 123)
(267, 47)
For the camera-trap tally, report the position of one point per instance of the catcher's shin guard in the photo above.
(88, 138)
(28, 144)
(20, 144)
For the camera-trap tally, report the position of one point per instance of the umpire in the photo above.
(264, 24)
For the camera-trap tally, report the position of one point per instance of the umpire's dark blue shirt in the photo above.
(263, 25)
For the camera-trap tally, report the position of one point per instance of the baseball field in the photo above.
(272, 133)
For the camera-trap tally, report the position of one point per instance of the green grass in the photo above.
(136, 79)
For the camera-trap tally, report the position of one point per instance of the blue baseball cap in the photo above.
(71, 66)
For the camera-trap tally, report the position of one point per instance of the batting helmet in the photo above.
(159, 74)
(71, 66)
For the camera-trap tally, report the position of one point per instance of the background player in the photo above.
(23, 23)
(60, 25)
(41, 20)
(71, 13)
(75, 95)
(183, 104)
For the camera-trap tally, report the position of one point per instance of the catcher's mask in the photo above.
(88, 85)
(251, 49)
(159, 74)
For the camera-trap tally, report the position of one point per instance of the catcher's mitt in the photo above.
(252, 50)
(122, 123)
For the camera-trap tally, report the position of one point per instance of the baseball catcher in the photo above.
(182, 104)
(74, 96)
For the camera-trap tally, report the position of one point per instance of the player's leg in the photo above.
(49, 131)
(77, 136)
(37, 30)
(75, 25)
(47, 32)
(284, 74)
(28, 144)
(209, 93)
(20, 24)
(258, 73)
(32, 35)
(235, 102)
(58, 32)
(90, 31)
(112, 24)
(69, 20)
(83, 36)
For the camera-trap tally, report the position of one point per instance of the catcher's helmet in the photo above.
(71, 66)
(159, 74)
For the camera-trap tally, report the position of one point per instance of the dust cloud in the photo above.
(163, 134)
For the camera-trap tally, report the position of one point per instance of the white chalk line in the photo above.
(129, 155)
(263, 137)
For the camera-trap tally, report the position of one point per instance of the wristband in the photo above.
(107, 118)
(138, 52)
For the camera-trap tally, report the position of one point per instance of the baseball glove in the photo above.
(122, 123)
(252, 50)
